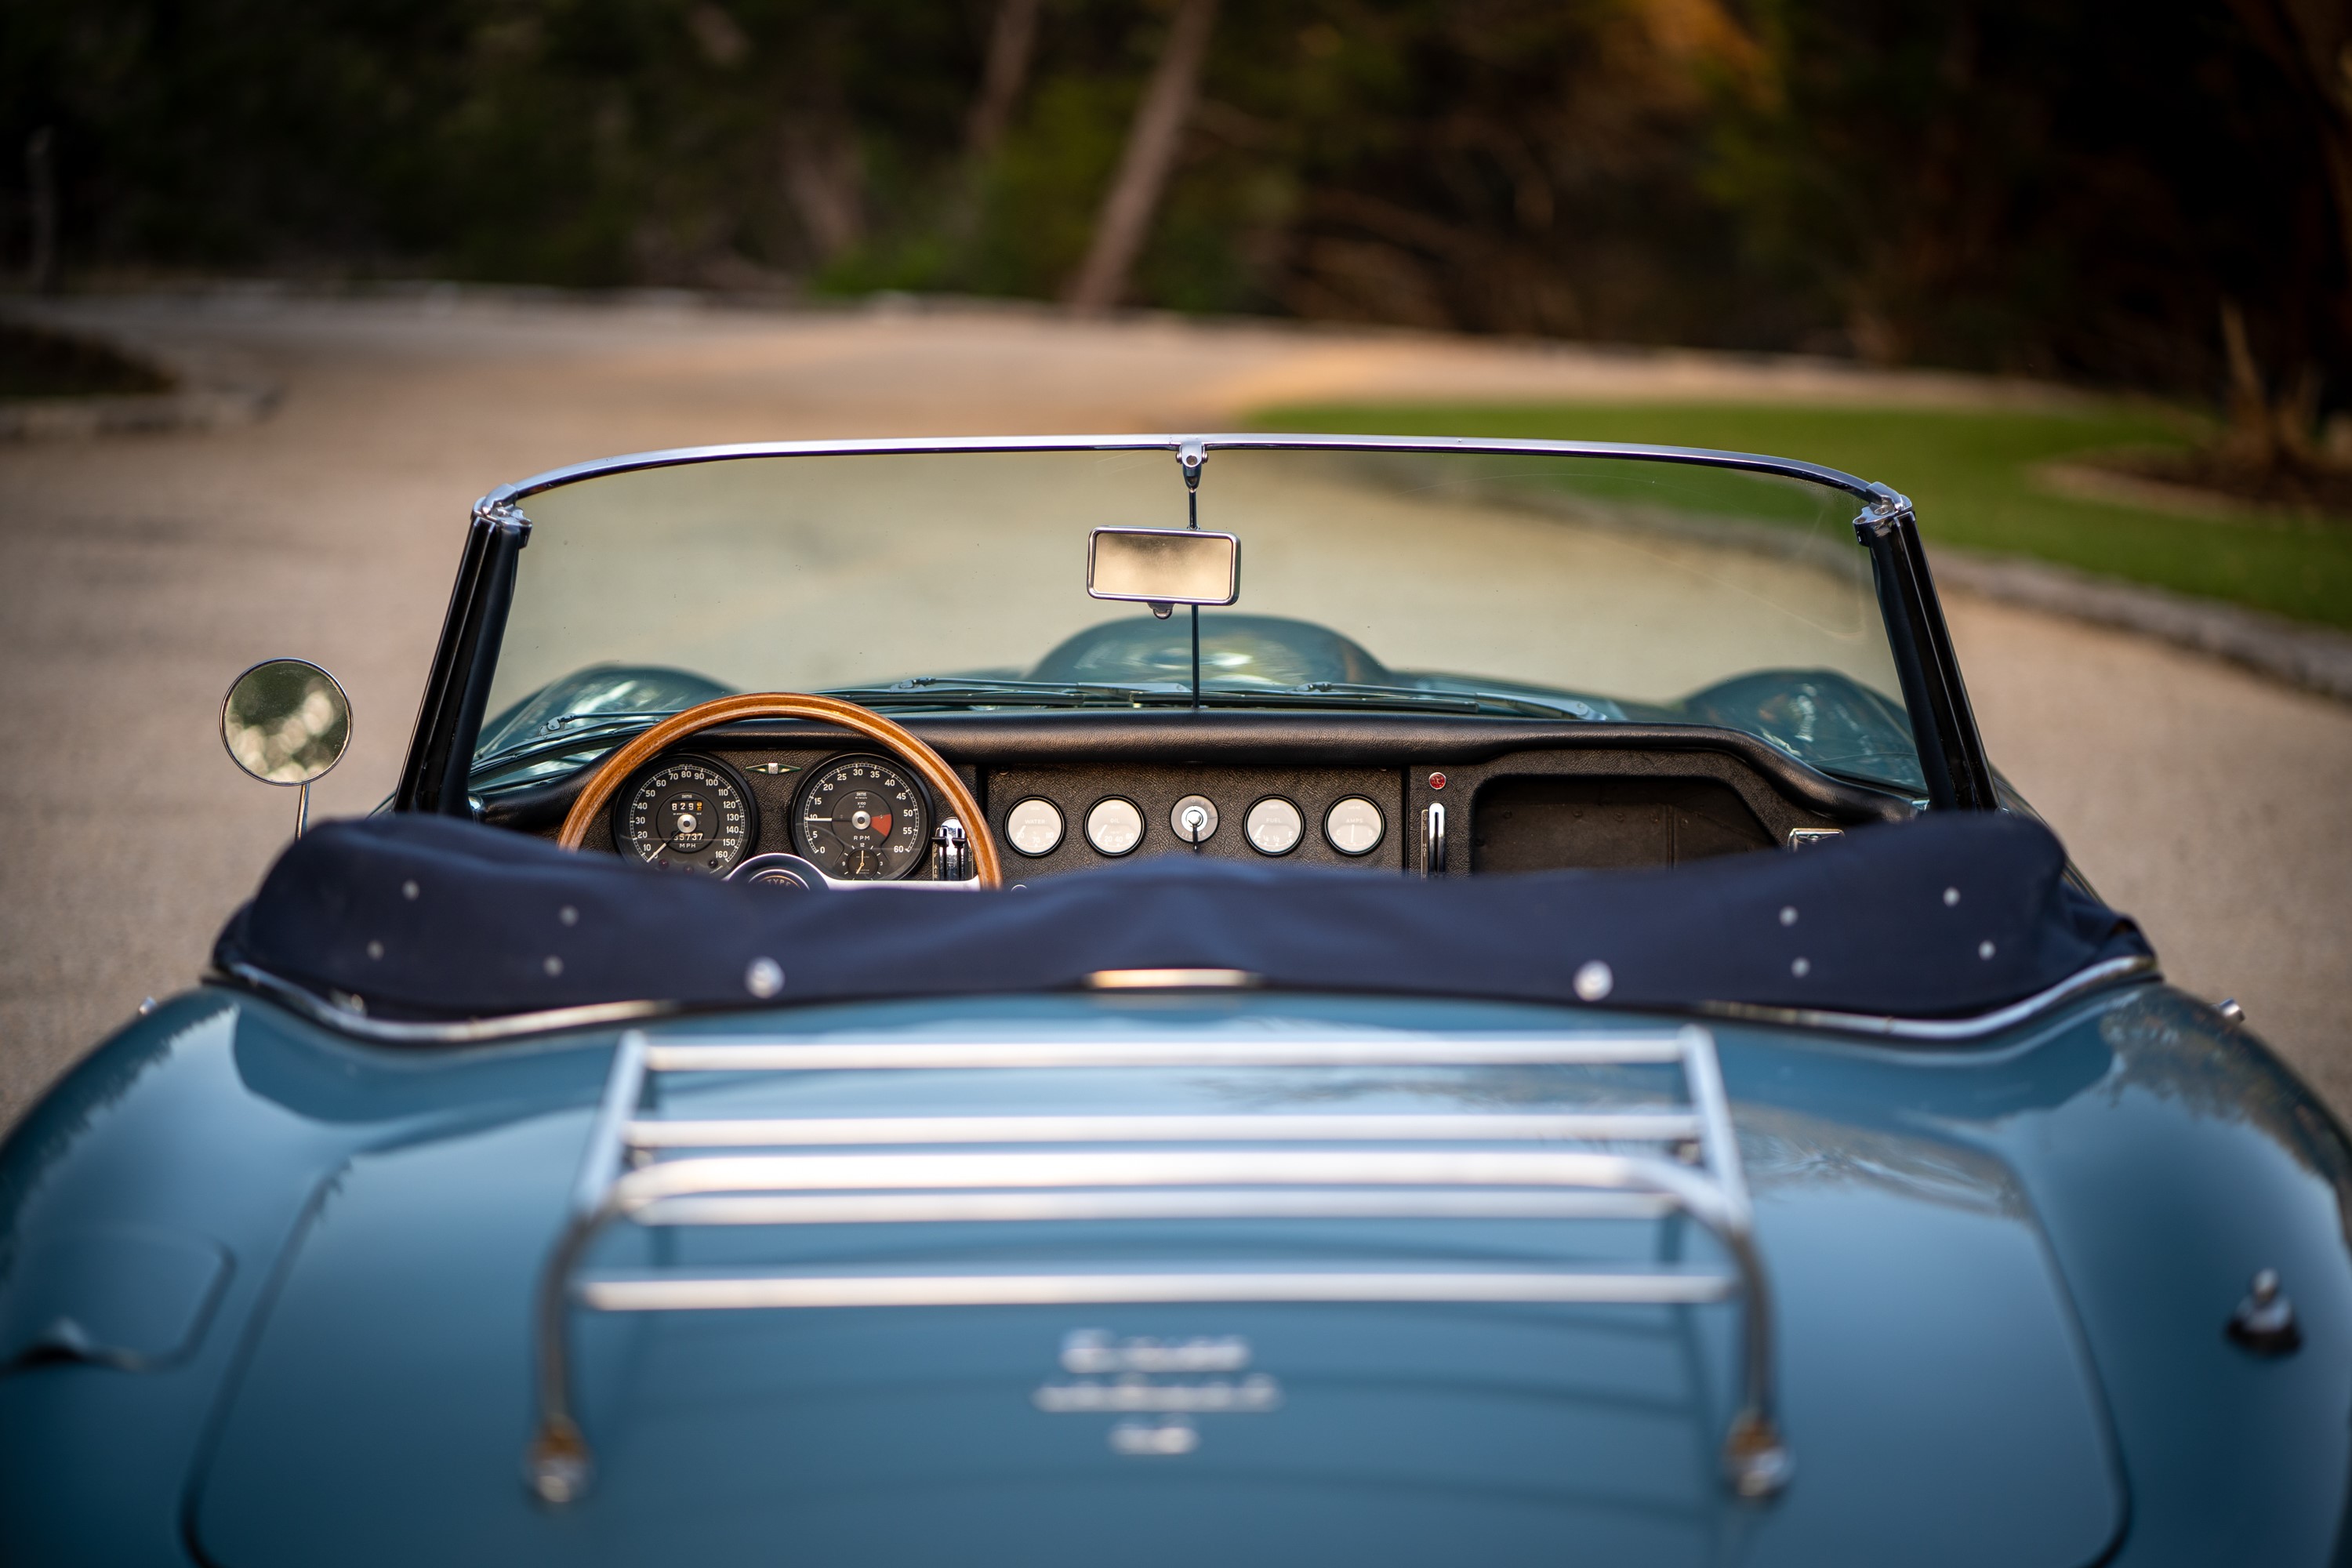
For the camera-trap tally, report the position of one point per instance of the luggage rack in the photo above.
(855, 1170)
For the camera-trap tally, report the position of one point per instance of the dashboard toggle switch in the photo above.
(951, 852)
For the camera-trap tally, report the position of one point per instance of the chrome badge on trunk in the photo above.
(1157, 1385)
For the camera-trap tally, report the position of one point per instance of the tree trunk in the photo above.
(823, 181)
(1012, 41)
(41, 177)
(2311, 40)
(1151, 146)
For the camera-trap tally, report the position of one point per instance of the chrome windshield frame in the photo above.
(1176, 445)
(434, 777)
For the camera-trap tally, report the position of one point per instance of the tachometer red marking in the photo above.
(882, 823)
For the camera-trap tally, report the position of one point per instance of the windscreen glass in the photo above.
(1570, 588)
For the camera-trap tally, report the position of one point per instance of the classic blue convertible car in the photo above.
(1251, 998)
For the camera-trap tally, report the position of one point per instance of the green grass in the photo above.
(1970, 473)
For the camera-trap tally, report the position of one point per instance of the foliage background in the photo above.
(2073, 190)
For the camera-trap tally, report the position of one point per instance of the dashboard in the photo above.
(1069, 792)
(1066, 792)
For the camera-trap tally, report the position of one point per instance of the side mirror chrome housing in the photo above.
(287, 721)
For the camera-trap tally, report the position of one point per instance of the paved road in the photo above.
(138, 573)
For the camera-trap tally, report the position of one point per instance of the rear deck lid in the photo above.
(1934, 1392)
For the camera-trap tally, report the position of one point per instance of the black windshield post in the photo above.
(1943, 725)
(1191, 454)
(456, 693)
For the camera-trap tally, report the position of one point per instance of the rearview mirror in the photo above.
(1164, 567)
(286, 722)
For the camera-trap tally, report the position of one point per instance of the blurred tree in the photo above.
(2160, 198)
(1152, 144)
(2074, 190)
(2311, 43)
(1011, 43)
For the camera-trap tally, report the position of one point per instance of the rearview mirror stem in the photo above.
(1192, 513)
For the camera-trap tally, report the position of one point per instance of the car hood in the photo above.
(1935, 1393)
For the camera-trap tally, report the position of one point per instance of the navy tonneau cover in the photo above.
(428, 918)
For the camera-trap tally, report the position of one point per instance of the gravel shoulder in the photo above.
(139, 573)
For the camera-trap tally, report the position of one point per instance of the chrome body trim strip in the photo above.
(469, 1031)
(457, 1032)
(1188, 979)
(2140, 966)
(1693, 1170)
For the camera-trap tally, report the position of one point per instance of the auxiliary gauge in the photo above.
(692, 812)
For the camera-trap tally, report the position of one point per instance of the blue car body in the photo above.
(301, 1268)
(288, 1279)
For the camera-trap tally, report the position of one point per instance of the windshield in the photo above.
(1574, 588)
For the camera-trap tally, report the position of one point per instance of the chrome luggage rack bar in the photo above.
(855, 1170)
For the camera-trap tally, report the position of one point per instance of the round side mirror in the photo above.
(286, 722)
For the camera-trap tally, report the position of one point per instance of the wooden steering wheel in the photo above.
(954, 798)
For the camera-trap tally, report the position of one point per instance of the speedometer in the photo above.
(686, 811)
(862, 819)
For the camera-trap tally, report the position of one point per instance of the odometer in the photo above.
(692, 812)
(862, 819)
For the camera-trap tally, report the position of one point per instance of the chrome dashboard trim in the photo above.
(748, 871)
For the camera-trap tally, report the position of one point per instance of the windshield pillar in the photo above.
(1943, 727)
(457, 690)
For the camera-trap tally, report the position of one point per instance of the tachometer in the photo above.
(686, 811)
(862, 819)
